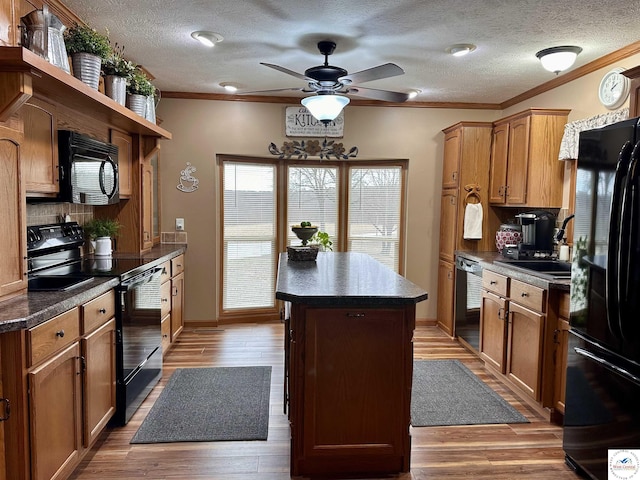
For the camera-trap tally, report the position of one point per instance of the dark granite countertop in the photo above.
(32, 308)
(487, 261)
(343, 279)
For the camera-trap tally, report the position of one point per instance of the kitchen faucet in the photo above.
(560, 234)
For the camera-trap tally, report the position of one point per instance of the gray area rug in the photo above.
(445, 392)
(210, 404)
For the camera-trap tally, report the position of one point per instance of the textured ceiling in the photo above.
(411, 33)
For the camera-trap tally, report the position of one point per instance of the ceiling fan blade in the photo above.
(287, 71)
(375, 73)
(384, 95)
(294, 89)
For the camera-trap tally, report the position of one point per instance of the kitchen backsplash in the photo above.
(46, 213)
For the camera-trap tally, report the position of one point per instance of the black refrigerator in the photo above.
(602, 403)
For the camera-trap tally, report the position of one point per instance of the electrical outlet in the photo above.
(180, 224)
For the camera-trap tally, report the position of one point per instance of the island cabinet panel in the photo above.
(351, 389)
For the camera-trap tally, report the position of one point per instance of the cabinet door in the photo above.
(446, 282)
(451, 160)
(177, 306)
(147, 205)
(493, 330)
(40, 147)
(524, 359)
(448, 222)
(124, 142)
(518, 163)
(98, 350)
(560, 354)
(13, 244)
(55, 413)
(499, 155)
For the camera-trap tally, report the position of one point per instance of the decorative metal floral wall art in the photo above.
(304, 148)
(188, 183)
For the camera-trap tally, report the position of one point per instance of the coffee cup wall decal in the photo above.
(188, 183)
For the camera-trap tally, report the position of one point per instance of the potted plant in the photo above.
(88, 49)
(139, 89)
(117, 73)
(100, 231)
(322, 239)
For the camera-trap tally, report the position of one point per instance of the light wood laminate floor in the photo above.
(496, 452)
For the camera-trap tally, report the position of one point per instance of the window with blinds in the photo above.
(249, 236)
(312, 197)
(374, 212)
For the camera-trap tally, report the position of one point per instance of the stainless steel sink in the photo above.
(545, 267)
(57, 283)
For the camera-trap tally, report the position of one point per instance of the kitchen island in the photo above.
(349, 364)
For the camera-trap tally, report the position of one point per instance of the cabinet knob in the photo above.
(164, 299)
(60, 333)
(7, 409)
(524, 294)
(493, 282)
(102, 311)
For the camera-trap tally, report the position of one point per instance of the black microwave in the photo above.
(88, 169)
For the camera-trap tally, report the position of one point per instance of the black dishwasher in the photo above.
(468, 298)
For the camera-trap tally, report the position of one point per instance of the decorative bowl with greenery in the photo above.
(115, 63)
(101, 227)
(139, 84)
(84, 39)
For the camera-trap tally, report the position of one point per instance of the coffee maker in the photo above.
(537, 233)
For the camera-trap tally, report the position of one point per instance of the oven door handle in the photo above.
(141, 279)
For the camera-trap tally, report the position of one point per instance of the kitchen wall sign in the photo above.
(188, 183)
(300, 123)
(303, 148)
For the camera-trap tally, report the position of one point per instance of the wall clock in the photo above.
(614, 88)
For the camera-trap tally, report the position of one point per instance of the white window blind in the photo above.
(249, 233)
(312, 197)
(374, 213)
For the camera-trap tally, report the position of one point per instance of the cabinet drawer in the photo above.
(52, 335)
(495, 282)
(165, 299)
(528, 295)
(166, 271)
(97, 311)
(165, 327)
(177, 265)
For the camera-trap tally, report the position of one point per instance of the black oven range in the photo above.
(55, 264)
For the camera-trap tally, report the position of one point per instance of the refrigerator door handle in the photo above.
(627, 258)
(608, 365)
(615, 221)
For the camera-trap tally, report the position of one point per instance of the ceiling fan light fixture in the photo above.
(325, 107)
(414, 93)
(558, 59)
(208, 39)
(461, 49)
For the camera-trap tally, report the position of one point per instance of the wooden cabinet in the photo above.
(172, 300)
(451, 160)
(124, 142)
(40, 148)
(634, 99)
(526, 337)
(448, 215)
(560, 352)
(446, 286)
(493, 330)
(524, 156)
(13, 244)
(146, 176)
(99, 372)
(350, 380)
(177, 306)
(60, 377)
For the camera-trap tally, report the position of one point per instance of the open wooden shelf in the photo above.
(55, 83)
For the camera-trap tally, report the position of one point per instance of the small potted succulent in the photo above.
(88, 49)
(100, 232)
(139, 90)
(117, 73)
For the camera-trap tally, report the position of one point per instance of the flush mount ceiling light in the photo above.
(208, 39)
(558, 59)
(414, 93)
(325, 107)
(460, 49)
(229, 87)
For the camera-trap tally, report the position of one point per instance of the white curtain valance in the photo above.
(569, 144)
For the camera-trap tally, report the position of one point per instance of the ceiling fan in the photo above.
(328, 79)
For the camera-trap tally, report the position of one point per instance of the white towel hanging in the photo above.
(473, 221)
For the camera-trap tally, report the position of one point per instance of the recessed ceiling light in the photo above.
(208, 39)
(460, 49)
(229, 87)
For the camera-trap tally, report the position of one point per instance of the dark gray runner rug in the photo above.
(210, 404)
(445, 392)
